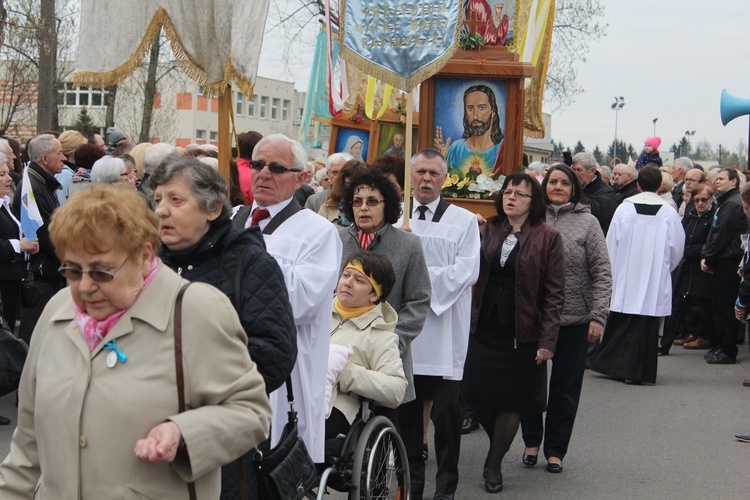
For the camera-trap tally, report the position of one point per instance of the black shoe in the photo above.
(663, 351)
(425, 452)
(443, 496)
(710, 353)
(554, 468)
(469, 425)
(745, 438)
(721, 358)
(627, 381)
(529, 460)
(4, 420)
(493, 487)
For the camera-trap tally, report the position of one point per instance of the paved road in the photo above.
(671, 440)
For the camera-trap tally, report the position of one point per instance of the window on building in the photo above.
(275, 109)
(68, 95)
(214, 136)
(200, 135)
(251, 106)
(263, 105)
(285, 110)
(240, 104)
(301, 113)
(201, 89)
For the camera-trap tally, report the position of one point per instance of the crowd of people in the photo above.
(320, 272)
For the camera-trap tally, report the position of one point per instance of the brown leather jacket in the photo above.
(540, 279)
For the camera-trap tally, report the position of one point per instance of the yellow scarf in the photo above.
(350, 312)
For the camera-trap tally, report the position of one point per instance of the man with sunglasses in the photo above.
(308, 250)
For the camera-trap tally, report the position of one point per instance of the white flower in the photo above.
(485, 184)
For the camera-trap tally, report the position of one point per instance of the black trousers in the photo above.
(9, 291)
(690, 315)
(726, 285)
(30, 315)
(566, 379)
(446, 417)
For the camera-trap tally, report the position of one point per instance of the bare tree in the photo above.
(47, 36)
(109, 119)
(3, 18)
(576, 28)
(150, 89)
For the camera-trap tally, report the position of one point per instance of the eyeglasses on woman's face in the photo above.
(72, 273)
(370, 202)
(508, 193)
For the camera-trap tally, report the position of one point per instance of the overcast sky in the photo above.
(669, 59)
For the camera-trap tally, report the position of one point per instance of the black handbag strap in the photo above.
(178, 364)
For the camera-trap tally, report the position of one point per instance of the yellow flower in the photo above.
(450, 181)
(463, 183)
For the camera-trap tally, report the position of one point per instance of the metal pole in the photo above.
(615, 153)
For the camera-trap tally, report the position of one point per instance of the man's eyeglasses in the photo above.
(507, 193)
(370, 202)
(275, 168)
(97, 275)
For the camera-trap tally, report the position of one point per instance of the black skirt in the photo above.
(500, 377)
(629, 348)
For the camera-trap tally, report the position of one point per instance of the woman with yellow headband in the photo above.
(364, 322)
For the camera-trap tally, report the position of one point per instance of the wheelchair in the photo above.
(369, 463)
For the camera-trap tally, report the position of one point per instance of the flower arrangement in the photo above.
(470, 41)
(472, 185)
(400, 108)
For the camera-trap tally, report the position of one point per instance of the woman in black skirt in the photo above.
(516, 310)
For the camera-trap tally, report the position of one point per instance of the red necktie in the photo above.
(258, 215)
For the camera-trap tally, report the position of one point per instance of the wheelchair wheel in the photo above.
(380, 468)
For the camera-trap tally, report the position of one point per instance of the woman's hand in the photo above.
(29, 246)
(595, 331)
(543, 355)
(160, 446)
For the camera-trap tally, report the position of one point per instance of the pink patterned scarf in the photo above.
(94, 330)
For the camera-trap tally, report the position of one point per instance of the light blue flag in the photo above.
(31, 219)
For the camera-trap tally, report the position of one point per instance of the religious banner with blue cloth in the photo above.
(401, 44)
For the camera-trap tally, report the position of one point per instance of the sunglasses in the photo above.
(702, 200)
(275, 168)
(96, 275)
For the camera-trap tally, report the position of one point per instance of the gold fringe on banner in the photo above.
(388, 76)
(191, 68)
(533, 123)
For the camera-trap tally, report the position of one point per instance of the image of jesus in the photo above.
(482, 139)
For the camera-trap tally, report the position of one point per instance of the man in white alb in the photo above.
(308, 250)
(450, 238)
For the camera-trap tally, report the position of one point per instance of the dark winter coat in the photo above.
(646, 158)
(626, 192)
(690, 280)
(264, 308)
(723, 242)
(45, 262)
(601, 198)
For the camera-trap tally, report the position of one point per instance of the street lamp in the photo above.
(655, 120)
(617, 106)
(688, 135)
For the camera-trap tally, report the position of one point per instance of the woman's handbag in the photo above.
(12, 358)
(286, 472)
(30, 294)
(178, 365)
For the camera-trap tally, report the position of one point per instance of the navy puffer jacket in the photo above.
(264, 308)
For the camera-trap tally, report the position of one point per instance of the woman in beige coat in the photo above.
(98, 402)
(364, 322)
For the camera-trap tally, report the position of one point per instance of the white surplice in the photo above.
(451, 249)
(308, 250)
(644, 250)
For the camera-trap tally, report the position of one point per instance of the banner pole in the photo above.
(407, 158)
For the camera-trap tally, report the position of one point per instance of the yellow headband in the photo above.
(375, 285)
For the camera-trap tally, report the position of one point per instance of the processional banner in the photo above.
(215, 42)
(400, 43)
